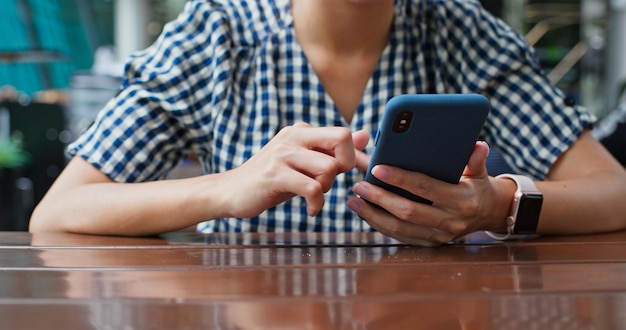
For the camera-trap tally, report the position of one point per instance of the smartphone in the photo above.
(429, 133)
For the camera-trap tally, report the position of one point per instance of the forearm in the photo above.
(594, 203)
(129, 209)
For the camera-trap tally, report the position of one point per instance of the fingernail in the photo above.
(361, 190)
(381, 173)
(354, 204)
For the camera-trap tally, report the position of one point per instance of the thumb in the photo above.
(360, 139)
(477, 163)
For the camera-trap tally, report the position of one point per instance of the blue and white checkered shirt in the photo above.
(225, 76)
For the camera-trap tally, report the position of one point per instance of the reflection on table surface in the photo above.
(313, 280)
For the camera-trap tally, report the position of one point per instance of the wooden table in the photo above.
(309, 281)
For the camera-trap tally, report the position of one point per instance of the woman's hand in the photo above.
(457, 209)
(299, 160)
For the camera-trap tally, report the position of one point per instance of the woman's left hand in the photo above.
(457, 209)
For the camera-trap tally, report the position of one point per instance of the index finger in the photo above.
(418, 184)
(333, 141)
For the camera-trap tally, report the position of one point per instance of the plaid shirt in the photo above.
(225, 76)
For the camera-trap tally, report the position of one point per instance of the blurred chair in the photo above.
(89, 92)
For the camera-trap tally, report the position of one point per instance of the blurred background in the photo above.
(61, 60)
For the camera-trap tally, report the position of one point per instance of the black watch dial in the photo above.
(528, 214)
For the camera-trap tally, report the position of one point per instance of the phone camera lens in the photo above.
(402, 121)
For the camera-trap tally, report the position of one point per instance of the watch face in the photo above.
(528, 214)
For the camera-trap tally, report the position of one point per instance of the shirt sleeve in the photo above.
(152, 124)
(530, 123)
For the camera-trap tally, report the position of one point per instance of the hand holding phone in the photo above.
(429, 133)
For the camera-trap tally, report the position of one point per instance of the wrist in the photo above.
(209, 197)
(504, 192)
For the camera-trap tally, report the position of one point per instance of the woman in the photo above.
(266, 93)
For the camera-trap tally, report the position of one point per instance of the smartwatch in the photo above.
(525, 209)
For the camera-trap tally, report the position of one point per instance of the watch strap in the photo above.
(524, 185)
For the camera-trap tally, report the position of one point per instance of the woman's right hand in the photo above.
(299, 160)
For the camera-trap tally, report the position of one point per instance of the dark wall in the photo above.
(40, 126)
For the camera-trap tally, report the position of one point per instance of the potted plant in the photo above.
(11, 154)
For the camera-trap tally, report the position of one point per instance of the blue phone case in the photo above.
(437, 139)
